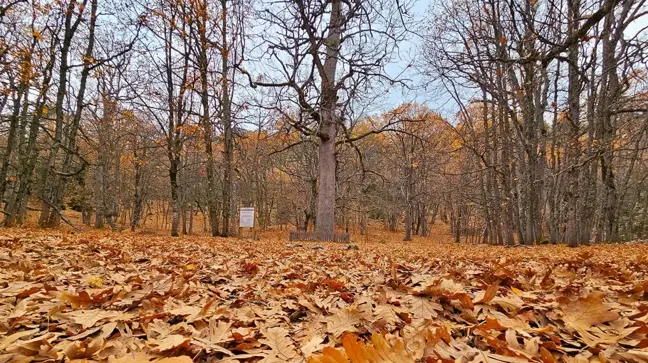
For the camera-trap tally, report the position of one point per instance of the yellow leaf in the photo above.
(94, 281)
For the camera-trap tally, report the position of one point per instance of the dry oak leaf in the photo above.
(14, 337)
(20, 309)
(489, 294)
(343, 321)
(217, 332)
(423, 308)
(387, 312)
(20, 289)
(633, 355)
(169, 342)
(378, 351)
(450, 290)
(84, 298)
(583, 313)
(144, 358)
(84, 349)
(40, 346)
(313, 345)
(15, 358)
(88, 318)
(282, 347)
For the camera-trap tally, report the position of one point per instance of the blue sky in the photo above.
(422, 90)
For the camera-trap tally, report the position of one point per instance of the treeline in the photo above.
(556, 127)
(116, 108)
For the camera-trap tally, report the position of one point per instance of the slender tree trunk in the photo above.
(206, 124)
(175, 199)
(16, 208)
(572, 233)
(609, 86)
(226, 117)
(138, 200)
(51, 217)
(69, 31)
(14, 120)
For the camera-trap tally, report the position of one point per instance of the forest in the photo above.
(312, 113)
(486, 162)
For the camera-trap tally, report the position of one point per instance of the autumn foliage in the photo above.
(129, 298)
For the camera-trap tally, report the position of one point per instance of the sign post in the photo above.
(246, 220)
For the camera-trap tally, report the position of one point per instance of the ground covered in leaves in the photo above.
(129, 298)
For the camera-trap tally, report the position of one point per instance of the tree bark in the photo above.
(226, 117)
(328, 127)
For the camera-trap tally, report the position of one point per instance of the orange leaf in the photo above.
(546, 356)
(378, 351)
(491, 292)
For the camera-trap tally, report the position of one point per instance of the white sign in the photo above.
(246, 218)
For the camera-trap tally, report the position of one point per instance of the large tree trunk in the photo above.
(328, 127)
(326, 191)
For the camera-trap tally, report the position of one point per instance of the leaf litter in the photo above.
(130, 298)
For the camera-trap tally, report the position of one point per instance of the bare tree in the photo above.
(325, 54)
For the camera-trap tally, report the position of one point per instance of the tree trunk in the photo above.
(138, 197)
(408, 224)
(572, 233)
(50, 217)
(328, 127)
(69, 30)
(226, 117)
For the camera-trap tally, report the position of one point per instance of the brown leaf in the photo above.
(169, 342)
(277, 339)
(490, 293)
(145, 358)
(7, 341)
(585, 312)
(343, 321)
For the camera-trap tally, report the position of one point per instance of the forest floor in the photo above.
(133, 297)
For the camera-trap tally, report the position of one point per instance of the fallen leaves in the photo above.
(87, 318)
(379, 351)
(281, 347)
(7, 341)
(125, 298)
(423, 308)
(586, 311)
(344, 321)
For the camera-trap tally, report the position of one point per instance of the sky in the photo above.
(404, 66)
(422, 90)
